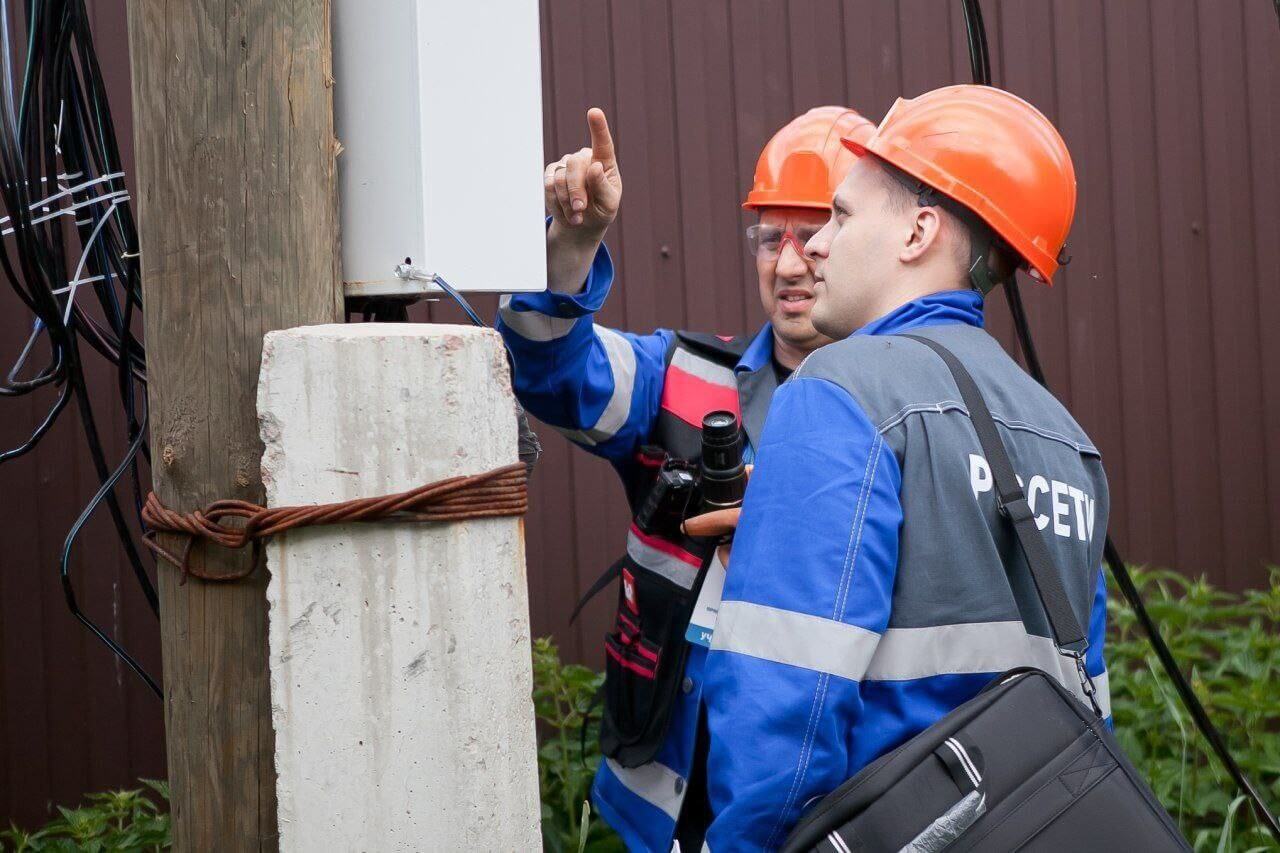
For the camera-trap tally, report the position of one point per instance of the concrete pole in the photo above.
(400, 653)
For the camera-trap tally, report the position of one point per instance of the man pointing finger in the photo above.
(638, 400)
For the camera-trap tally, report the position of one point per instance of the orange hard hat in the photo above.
(992, 152)
(803, 163)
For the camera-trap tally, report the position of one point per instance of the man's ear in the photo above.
(926, 229)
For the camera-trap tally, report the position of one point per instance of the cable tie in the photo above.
(118, 195)
(84, 257)
(57, 128)
(80, 281)
(44, 202)
(61, 176)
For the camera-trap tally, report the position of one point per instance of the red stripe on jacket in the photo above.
(630, 664)
(667, 547)
(690, 397)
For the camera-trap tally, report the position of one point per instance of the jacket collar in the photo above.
(756, 383)
(937, 309)
(759, 352)
(754, 370)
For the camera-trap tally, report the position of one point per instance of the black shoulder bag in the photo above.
(1024, 765)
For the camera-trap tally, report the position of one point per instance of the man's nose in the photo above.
(817, 246)
(791, 264)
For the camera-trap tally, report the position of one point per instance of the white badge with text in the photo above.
(703, 622)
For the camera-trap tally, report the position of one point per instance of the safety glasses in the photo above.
(767, 241)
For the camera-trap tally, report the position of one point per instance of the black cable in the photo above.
(980, 63)
(68, 588)
(1022, 329)
(59, 159)
(62, 32)
(979, 60)
(463, 303)
(39, 432)
(393, 310)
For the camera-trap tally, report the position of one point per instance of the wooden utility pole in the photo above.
(236, 186)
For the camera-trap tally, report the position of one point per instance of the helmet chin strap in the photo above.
(980, 272)
(982, 244)
(982, 240)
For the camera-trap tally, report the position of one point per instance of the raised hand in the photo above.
(583, 189)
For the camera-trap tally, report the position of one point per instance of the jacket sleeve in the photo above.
(805, 603)
(599, 387)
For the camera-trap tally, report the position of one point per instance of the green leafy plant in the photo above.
(1230, 646)
(110, 821)
(563, 695)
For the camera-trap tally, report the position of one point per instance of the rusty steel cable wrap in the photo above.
(494, 494)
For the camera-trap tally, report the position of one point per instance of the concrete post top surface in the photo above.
(383, 330)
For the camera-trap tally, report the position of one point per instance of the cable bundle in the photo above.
(70, 254)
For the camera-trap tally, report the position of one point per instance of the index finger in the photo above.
(601, 139)
(715, 523)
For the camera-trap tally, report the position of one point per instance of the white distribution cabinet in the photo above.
(438, 106)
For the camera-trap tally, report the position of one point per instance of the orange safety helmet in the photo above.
(803, 163)
(992, 152)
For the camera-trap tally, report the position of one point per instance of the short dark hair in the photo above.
(898, 196)
(902, 196)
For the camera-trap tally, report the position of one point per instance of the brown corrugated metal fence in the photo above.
(1160, 336)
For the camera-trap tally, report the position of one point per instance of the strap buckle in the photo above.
(1014, 506)
(1086, 681)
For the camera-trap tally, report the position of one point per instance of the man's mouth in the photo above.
(795, 301)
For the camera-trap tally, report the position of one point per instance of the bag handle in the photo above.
(1012, 502)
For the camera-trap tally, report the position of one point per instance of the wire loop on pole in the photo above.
(499, 493)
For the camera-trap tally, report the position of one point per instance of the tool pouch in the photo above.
(646, 650)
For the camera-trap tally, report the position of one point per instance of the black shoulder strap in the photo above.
(596, 588)
(1013, 505)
